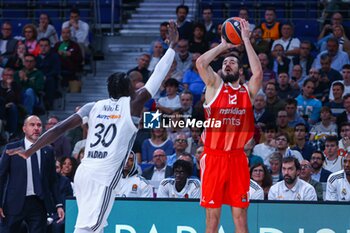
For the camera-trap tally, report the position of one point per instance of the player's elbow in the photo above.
(200, 63)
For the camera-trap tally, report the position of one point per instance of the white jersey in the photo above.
(338, 187)
(302, 191)
(110, 137)
(334, 165)
(190, 190)
(255, 191)
(134, 186)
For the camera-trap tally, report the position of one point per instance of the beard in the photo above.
(289, 179)
(230, 78)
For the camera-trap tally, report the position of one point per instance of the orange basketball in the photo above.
(231, 30)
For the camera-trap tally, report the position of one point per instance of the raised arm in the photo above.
(255, 81)
(160, 71)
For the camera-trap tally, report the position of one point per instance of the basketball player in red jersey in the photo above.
(224, 165)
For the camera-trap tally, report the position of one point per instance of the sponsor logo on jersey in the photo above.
(97, 154)
(134, 187)
(343, 192)
(108, 117)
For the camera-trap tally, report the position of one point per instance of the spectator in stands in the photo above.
(269, 75)
(62, 145)
(282, 146)
(338, 58)
(159, 140)
(284, 89)
(81, 143)
(336, 104)
(181, 185)
(135, 78)
(79, 30)
(27, 195)
(142, 66)
(273, 102)
(157, 53)
(332, 162)
(338, 183)
(259, 44)
(344, 142)
(171, 102)
(192, 81)
(175, 129)
(197, 158)
(194, 141)
(275, 160)
(345, 81)
(248, 149)
(282, 124)
(184, 26)
(336, 19)
(304, 58)
(343, 117)
(210, 26)
(268, 146)
(186, 99)
(319, 173)
(180, 146)
(183, 59)
(301, 143)
(308, 106)
(321, 84)
(243, 13)
(131, 183)
(339, 34)
(11, 96)
(189, 158)
(198, 43)
(297, 79)
(260, 174)
(328, 74)
(70, 55)
(261, 116)
(293, 116)
(305, 174)
(216, 64)
(255, 191)
(280, 61)
(31, 81)
(271, 28)
(30, 39)
(46, 30)
(16, 62)
(291, 187)
(69, 166)
(159, 170)
(8, 44)
(290, 45)
(163, 30)
(325, 127)
(49, 63)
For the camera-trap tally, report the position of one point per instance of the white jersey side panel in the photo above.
(110, 137)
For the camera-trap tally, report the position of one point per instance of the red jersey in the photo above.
(231, 106)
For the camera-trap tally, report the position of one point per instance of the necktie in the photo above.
(36, 175)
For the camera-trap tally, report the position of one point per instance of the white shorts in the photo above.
(94, 201)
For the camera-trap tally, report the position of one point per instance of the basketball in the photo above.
(231, 30)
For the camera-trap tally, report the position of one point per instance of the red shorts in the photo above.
(225, 178)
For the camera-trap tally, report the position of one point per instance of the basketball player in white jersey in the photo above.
(111, 135)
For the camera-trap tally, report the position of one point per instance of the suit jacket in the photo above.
(324, 175)
(13, 180)
(309, 61)
(148, 172)
(10, 48)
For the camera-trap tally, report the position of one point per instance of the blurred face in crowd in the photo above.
(157, 49)
(291, 110)
(337, 19)
(326, 64)
(143, 61)
(270, 91)
(286, 31)
(180, 142)
(346, 75)
(281, 142)
(264, 60)
(65, 34)
(338, 31)
(300, 132)
(21, 49)
(163, 30)
(29, 33)
(270, 16)
(7, 76)
(258, 174)
(186, 101)
(44, 47)
(325, 115)
(308, 89)
(314, 74)
(181, 14)
(6, 30)
(275, 166)
(257, 33)
(270, 135)
(195, 133)
(199, 152)
(67, 167)
(180, 175)
(58, 167)
(282, 119)
(347, 104)
(345, 131)
(243, 13)
(347, 165)
(207, 15)
(332, 48)
(278, 50)
(74, 17)
(331, 149)
(316, 161)
(289, 172)
(129, 164)
(259, 102)
(283, 79)
(198, 33)
(29, 62)
(305, 49)
(44, 20)
(297, 72)
(51, 122)
(32, 128)
(159, 158)
(182, 47)
(337, 91)
(306, 170)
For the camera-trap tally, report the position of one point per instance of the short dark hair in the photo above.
(290, 101)
(75, 11)
(308, 80)
(284, 134)
(200, 26)
(44, 39)
(53, 116)
(292, 159)
(332, 138)
(269, 127)
(171, 82)
(300, 124)
(346, 66)
(118, 85)
(182, 7)
(341, 85)
(346, 96)
(343, 124)
(333, 39)
(165, 24)
(187, 166)
(319, 152)
(207, 7)
(29, 55)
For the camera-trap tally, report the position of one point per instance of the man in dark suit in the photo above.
(28, 186)
(159, 171)
(319, 174)
(7, 43)
(343, 117)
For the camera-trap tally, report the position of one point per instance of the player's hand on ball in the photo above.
(245, 32)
